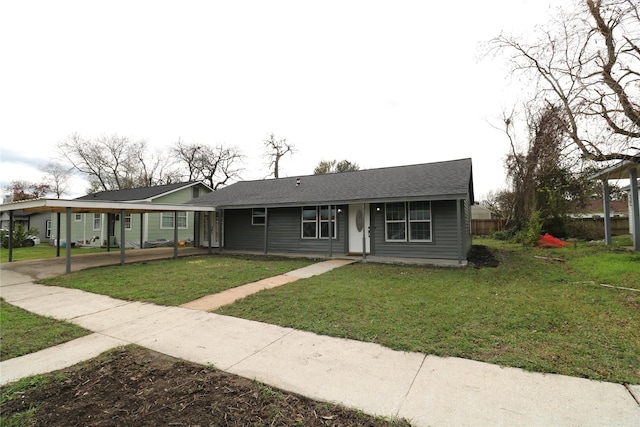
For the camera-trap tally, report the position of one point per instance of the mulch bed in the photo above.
(136, 386)
(480, 256)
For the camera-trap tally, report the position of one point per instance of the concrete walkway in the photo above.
(427, 390)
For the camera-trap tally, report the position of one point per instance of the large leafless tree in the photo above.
(215, 165)
(275, 150)
(57, 177)
(587, 61)
(113, 162)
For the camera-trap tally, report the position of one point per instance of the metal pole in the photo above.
(330, 231)
(175, 234)
(606, 202)
(141, 230)
(635, 208)
(209, 228)
(68, 241)
(58, 234)
(266, 226)
(10, 237)
(122, 237)
(364, 230)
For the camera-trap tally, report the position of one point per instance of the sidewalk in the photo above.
(426, 390)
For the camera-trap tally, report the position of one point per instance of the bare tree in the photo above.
(115, 162)
(274, 151)
(587, 62)
(57, 177)
(334, 166)
(216, 165)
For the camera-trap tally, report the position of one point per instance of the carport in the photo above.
(623, 170)
(70, 207)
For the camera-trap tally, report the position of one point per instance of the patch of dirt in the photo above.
(135, 386)
(480, 256)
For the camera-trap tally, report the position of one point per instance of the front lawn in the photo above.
(541, 310)
(534, 311)
(24, 332)
(175, 282)
(43, 250)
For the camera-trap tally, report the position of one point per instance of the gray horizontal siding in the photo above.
(444, 244)
(284, 233)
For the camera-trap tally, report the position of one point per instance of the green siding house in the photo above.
(153, 229)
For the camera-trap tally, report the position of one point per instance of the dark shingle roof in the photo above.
(441, 180)
(136, 194)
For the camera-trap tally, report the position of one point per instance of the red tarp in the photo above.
(548, 241)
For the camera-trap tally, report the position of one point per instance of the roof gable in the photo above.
(139, 194)
(441, 180)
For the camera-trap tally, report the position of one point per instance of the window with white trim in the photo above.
(166, 220)
(77, 217)
(258, 216)
(127, 221)
(420, 221)
(316, 220)
(97, 221)
(48, 229)
(408, 221)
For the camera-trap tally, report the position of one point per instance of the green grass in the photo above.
(539, 314)
(175, 282)
(23, 332)
(43, 250)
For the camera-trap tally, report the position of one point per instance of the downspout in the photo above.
(607, 212)
(635, 205)
(122, 241)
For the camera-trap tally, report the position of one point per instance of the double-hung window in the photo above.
(316, 221)
(408, 221)
(127, 221)
(97, 221)
(258, 216)
(166, 220)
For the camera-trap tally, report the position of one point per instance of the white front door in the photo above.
(358, 225)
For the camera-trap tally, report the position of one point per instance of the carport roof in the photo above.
(618, 171)
(91, 206)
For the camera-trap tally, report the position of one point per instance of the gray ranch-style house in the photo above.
(415, 211)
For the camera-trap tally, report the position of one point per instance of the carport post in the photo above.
(606, 211)
(209, 228)
(122, 237)
(175, 234)
(635, 208)
(141, 230)
(10, 238)
(58, 234)
(364, 231)
(330, 230)
(68, 241)
(266, 226)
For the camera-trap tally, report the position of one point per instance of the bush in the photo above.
(20, 236)
(505, 235)
(534, 229)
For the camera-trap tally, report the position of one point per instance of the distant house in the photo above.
(595, 209)
(93, 229)
(39, 220)
(415, 211)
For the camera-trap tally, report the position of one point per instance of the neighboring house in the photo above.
(480, 212)
(38, 220)
(416, 211)
(595, 209)
(93, 229)
(630, 204)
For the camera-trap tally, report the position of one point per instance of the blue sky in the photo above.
(379, 83)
